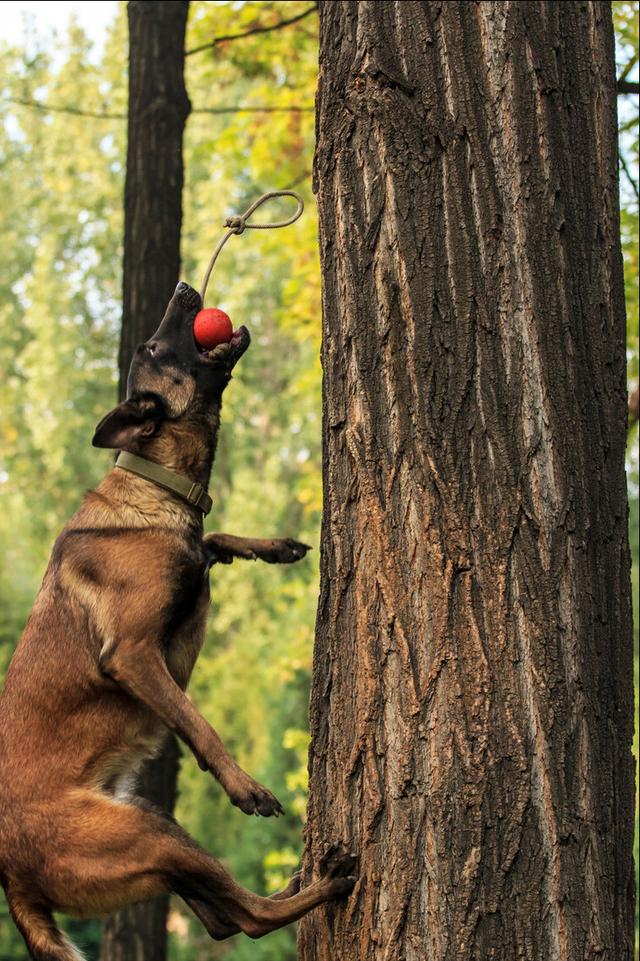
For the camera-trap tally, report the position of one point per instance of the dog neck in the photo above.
(186, 447)
(191, 492)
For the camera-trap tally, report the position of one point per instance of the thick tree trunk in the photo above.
(158, 110)
(472, 701)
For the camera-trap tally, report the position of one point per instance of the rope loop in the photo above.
(239, 223)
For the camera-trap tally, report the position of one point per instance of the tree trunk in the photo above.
(158, 110)
(472, 701)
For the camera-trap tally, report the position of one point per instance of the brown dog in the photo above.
(100, 673)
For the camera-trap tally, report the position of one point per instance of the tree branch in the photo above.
(634, 185)
(628, 67)
(630, 124)
(223, 110)
(300, 179)
(634, 407)
(57, 108)
(79, 112)
(252, 31)
(628, 86)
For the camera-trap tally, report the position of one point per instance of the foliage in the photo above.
(625, 15)
(267, 472)
(61, 182)
(60, 188)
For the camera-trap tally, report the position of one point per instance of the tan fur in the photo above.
(98, 677)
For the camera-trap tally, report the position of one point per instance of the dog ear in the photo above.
(132, 420)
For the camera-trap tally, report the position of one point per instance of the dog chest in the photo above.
(186, 616)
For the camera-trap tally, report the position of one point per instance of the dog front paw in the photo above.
(284, 550)
(253, 798)
(337, 862)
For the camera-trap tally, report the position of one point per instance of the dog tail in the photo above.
(44, 939)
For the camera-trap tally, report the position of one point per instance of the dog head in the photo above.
(171, 377)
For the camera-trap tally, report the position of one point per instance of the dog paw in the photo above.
(285, 551)
(337, 862)
(296, 549)
(343, 886)
(253, 798)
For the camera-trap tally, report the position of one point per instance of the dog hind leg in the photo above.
(216, 928)
(109, 854)
(220, 930)
(35, 923)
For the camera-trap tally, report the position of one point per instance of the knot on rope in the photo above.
(237, 224)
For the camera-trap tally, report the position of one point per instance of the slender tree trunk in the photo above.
(472, 700)
(158, 110)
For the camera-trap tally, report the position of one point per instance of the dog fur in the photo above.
(100, 673)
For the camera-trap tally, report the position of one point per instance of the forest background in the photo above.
(62, 150)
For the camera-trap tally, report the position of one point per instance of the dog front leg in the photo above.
(224, 548)
(139, 668)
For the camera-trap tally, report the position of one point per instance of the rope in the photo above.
(238, 224)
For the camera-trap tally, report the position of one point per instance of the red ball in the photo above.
(212, 327)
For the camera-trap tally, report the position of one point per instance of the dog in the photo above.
(100, 673)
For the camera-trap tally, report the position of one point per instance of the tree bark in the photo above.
(158, 111)
(472, 702)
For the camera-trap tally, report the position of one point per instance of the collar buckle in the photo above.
(198, 496)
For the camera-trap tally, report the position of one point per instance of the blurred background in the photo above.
(63, 93)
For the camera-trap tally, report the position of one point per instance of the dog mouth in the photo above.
(176, 334)
(228, 354)
(190, 301)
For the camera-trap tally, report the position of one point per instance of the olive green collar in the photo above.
(192, 493)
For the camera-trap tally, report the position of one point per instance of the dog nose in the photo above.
(186, 297)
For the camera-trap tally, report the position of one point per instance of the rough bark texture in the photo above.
(158, 110)
(472, 702)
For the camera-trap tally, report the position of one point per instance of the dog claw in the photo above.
(337, 862)
(257, 801)
(345, 885)
(286, 551)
